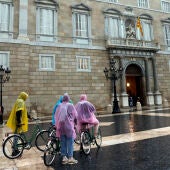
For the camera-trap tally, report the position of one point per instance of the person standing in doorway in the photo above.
(131, 104)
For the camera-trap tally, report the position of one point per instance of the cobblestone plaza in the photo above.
(131, 141)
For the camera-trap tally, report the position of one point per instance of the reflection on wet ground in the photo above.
(131, 141)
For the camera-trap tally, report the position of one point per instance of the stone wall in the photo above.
(45, 87)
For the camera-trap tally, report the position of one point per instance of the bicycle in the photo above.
(52, 149)
(87, 138)
(50, 129)
(14, 144)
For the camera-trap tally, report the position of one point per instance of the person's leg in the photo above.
(70, 146)
(63, 143)
(96, 127)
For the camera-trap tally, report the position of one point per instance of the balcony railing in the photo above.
(132, 44)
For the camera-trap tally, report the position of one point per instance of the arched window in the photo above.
(46, 20)
(114, 25)
(146, 21)
(166, 28)
(81, 24)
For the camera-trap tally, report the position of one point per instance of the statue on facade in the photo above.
(130, 31)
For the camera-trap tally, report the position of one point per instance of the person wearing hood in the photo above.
(65, 117)
(19, 116)
(85, 111)
(54, 109)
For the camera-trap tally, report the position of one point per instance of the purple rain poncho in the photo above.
(85, 112)
(65, 117)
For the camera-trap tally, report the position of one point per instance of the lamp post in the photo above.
(114, 74)
(4, 77)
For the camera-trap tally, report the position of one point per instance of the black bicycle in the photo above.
(14, 144)
(43, 132)
(52, 149)
(87, 138)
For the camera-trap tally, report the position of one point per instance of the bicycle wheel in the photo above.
(85, 142)
(41, 140)
(52, 149)
(98, 139)
(13, 146)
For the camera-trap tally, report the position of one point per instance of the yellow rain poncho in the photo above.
(19, 105)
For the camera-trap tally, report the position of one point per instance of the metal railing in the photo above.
(132, 43)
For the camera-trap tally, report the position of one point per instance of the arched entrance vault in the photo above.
(134, 75)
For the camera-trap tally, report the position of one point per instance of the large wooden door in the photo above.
(134, 83)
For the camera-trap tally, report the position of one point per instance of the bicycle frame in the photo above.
(29, 140)
(88, 138)
(90, 131)
(52, 149)
(37, 128)
(15, 143)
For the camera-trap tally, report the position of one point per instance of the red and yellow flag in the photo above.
(139, 25)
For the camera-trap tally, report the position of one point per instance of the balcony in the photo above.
(132, 44)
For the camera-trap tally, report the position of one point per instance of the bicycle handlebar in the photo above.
(19, 125)
(34, 118)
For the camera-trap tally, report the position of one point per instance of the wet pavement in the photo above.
(131, 141)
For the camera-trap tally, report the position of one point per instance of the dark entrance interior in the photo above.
(134, 83)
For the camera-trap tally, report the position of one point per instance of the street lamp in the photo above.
(114, 74)
(4, 77)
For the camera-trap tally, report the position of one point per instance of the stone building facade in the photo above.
(58, 46)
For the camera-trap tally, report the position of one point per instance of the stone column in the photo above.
(150, 97)
(23, 19)
(124, 95)
(157, 94)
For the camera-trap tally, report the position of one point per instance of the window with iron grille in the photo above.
(83, 63)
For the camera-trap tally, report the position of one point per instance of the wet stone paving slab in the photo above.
(131, 141)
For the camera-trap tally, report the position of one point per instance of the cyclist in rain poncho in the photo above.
(86, 111)
(18, 116)
(54, 109)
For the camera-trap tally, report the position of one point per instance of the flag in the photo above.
(139, 26)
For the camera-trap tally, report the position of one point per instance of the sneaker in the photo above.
(65, 160)
(72, 161)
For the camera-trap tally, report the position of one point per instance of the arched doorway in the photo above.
(135, 83)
